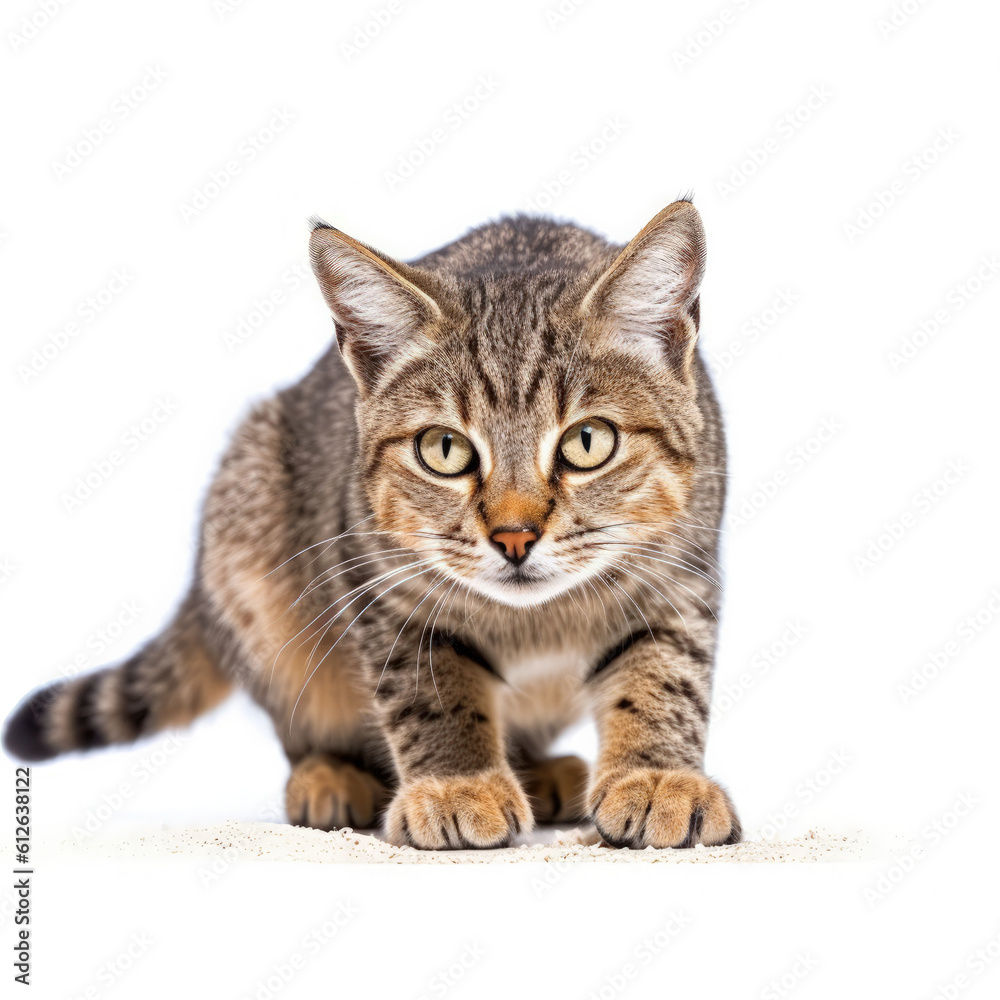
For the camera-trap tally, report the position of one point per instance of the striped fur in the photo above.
(411, 672)
(169, 682)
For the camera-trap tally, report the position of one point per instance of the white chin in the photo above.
(525, 594)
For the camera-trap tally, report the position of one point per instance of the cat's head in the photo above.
(518, 429)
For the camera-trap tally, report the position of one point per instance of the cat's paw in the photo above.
(557, 789)
(462, 811)
(659, 808)
(324, 792)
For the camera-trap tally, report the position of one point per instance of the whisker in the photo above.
(637, 608)
(701, 527)
(317, 580)
(615, 596)
(676, 583)
(420, 645)
(427, 593)
(363, 588)
(607, 618)
(660, 527)
(333, 645)
(635, 549)
(325, 541)
(625, 568)
(430, 644)
(691, 560)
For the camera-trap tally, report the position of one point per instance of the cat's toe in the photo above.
(326, 793)
(464, 811)
(649, 807)
(557, 789)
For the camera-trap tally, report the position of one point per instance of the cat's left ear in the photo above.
(379, 309)
(648, 297)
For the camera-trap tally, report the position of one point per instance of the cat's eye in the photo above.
(588, 444)
(446, 452)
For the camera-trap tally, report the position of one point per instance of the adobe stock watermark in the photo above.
(751, 331)
(712, 28)
(263, 308)
(110, 973)
(247, 150)
(560, 13)
(122, 107)
(447, 979)
(555, 871)
(796, 459)
(311, 946)
(87, 311)
(785, 128)
(804, 794)
(152, 761)
(898, 527)
(453, 118)
(955, 300)
(888, 195)
(223, 8)
(96, 645)
(581, 159)
(32, 25)
(978, 962)
(650, 948)
(729, 693)
(7, 569)
(9, 907)
(937, 661)
(220, 863)
(784, 984)
(898, 16)
(129, 442)
(371, 28)
(931, 836)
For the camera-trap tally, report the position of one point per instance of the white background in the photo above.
(847, 210)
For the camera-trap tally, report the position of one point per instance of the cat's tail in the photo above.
(168, 682)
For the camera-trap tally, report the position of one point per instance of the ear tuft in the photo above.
(648, 297)
(379, 310)
(315, 222)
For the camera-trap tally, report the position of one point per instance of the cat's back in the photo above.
(520, 244)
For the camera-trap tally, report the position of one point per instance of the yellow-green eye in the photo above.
(588, 444)
(445, 451)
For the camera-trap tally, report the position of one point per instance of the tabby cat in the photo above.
(491, 505)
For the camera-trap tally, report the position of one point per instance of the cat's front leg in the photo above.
(457, 789)
(649, 789)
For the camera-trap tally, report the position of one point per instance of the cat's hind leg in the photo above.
(325, 791)
(557, 789)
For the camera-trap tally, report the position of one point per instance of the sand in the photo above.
(278, 842)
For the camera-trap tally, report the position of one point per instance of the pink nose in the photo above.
(514, 544)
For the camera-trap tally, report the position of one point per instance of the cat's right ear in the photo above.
(378, 309)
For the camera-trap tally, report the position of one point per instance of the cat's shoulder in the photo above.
(519, 243)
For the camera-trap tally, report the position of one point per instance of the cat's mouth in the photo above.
(523, 586)
(521, 577)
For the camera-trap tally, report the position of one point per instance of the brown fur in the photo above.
(557, 789)
(412, 670)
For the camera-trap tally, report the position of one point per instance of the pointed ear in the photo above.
(649, 294)
(378, 309)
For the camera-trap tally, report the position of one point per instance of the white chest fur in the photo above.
(543, 693)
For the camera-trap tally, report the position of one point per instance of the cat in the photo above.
(491, 505)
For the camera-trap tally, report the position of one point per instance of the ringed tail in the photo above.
(169, 682)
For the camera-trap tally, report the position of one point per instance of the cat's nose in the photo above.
(515, 543)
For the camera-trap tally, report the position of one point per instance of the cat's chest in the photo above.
(544, 692)
(525, 668)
